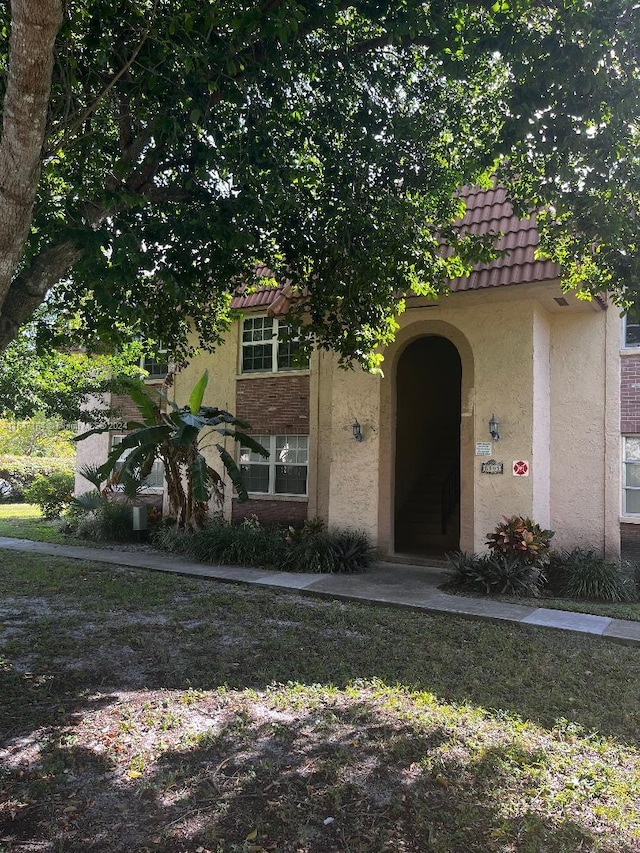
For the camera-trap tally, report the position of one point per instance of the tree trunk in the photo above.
(34, 26)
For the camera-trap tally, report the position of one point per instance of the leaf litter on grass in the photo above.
(187, 719)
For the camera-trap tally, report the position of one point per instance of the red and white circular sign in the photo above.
(520, 468)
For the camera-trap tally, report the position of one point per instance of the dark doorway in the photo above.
(427, 481)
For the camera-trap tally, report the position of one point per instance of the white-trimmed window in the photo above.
(284, 472)
(631, 475)
(266, 347)
(631, 328)
(155, 479)
(157, 366)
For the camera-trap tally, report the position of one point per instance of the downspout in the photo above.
(605, 408)
(316, 449)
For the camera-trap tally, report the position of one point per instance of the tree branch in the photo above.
(29, 288)
(88, 110)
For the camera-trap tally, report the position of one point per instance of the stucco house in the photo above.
(502, 398)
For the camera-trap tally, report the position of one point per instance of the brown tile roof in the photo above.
(487, 210)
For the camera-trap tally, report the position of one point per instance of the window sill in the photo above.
(630, 519)
(145, 490)
(261, 496)
(629, 351)
(270, 373)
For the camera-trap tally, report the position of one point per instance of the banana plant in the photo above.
(175, 435)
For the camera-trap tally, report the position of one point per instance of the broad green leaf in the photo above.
(248, 441)
(186, 435)
(197, 394)
(147, 406)
(234, 473)
(198, 473)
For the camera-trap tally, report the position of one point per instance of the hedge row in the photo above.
(17, 473)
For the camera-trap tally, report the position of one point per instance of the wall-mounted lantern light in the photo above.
(357, 431)
(494, 428)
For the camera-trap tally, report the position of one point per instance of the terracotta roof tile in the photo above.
(487, 210)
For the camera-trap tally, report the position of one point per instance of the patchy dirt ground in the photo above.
(141, 712)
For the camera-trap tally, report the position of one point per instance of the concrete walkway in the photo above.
(392, 584)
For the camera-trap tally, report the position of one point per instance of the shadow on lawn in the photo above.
(383, 785)
(537, 674)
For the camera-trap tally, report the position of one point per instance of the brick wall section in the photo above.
(271, 512)
(274, 405)
(124, 407)
(630, 542)
(630, 394)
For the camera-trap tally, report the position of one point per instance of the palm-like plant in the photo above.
(176, 437)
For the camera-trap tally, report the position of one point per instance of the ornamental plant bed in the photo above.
(150, 712)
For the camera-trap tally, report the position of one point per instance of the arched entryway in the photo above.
(427, 447)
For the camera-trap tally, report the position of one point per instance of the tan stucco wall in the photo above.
(541, 446)
(353, 466)
(585, 384)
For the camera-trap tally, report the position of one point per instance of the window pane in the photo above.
(256, 477)
(155, 368)
(632, 474)
(256, 357)
(257, 329)
(632, 336)
(247, 455)
(156, 475)
(632, 500)
(292, 449)
(632, 449)
(291, 479)
(290, 357)
(632, 327)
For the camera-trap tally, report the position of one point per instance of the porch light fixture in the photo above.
(357, 431)
(493, 428)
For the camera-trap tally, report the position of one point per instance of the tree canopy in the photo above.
(59, 386)
(179, 144)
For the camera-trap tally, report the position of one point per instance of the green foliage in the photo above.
(581, 573)
(175, 436)
(49, 387)
(314, 549)
(503, 574)
(51, 493)
(18, 472)
(36, 436)
(251, 544)
(520, 539)
(100, 518)
(326, 141)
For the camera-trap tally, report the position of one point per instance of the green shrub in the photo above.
(581, 573)
(310, 549)
(96, 517)
(218, 542)
(521, 539)
(337, 552)
(51, 493)
(495, 574)
(17, 473)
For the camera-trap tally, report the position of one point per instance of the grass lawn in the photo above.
(25, 521)
(147, 712)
